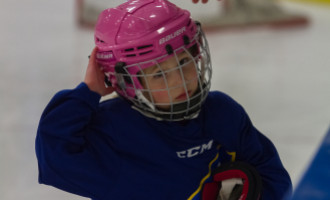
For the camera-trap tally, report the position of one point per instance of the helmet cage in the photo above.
(128, 82)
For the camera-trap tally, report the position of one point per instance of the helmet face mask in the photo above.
(167, 78)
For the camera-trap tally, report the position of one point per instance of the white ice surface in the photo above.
(281, 77)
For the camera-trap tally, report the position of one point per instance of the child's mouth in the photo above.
(183, 96)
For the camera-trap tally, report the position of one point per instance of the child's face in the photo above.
(168, 83)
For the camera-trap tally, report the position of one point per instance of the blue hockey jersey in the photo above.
(110, 151)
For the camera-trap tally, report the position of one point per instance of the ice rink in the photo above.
(281, 77)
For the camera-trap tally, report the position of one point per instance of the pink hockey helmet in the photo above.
(139, 34)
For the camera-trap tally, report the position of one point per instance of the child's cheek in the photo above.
(161, 97)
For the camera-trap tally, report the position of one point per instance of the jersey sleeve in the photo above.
(257, 149)
(237, 134)
(66, 160)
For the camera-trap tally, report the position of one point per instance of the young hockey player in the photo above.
(165, 133)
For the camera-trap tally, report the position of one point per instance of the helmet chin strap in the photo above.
(144, 100)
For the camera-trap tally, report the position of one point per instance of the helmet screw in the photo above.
(169, 49)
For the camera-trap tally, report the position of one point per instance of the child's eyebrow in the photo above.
(156, 67)
(151, 69)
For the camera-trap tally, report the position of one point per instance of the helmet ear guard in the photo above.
(248, 184)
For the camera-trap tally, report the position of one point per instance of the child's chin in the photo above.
(164, 107)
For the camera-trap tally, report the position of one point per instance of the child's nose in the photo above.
(177, 77)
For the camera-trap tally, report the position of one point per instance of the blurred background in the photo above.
(278, 68)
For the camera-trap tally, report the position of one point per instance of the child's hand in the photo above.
(196, 1)
(203, 1)
(94, 77)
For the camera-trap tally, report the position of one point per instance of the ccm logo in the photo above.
(195, 150)
(105, 55)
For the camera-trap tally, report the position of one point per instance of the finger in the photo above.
(195, 1)
(92, 57)
(92, 69)
(204, 1)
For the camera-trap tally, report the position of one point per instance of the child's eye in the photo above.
(184, 61)
(158, 74)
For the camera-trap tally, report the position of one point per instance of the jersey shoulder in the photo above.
(220, 100)
(114, 104)
(223, 112)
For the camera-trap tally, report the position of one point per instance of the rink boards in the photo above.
(315, 184)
